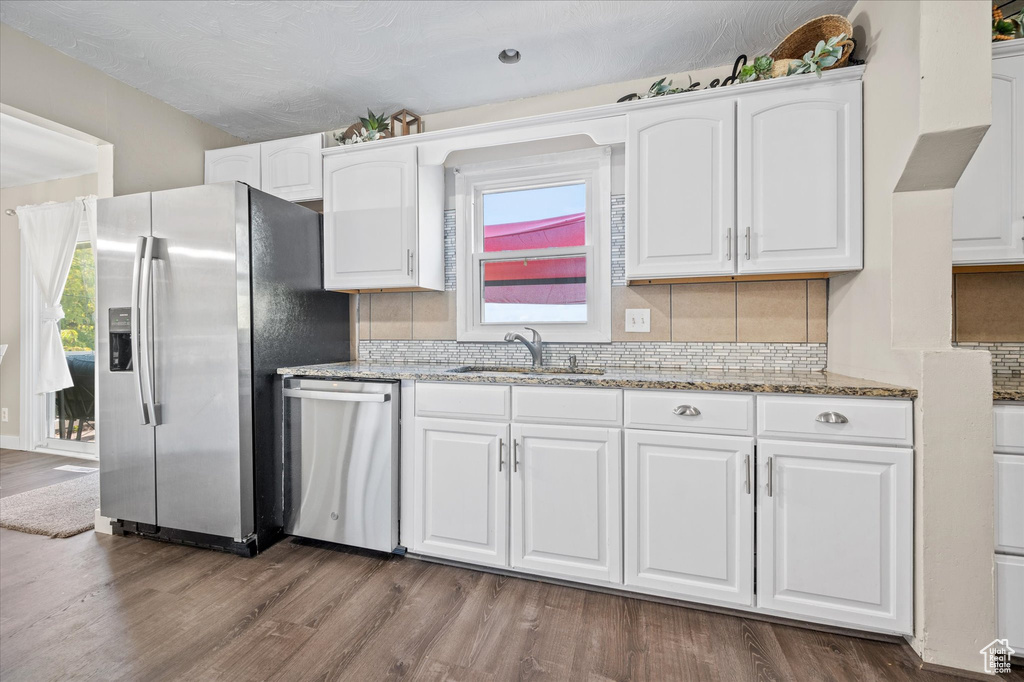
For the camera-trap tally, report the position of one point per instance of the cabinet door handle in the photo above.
(686, 411)
(771, 471)
(408, 253)
(747, 238)
(728, 244)
(501, 453)
(746, 469)
(515, 455)
(831, 418)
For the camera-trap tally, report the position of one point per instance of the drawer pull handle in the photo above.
(686, 411)
(831, 418)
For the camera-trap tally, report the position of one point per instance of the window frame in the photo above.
(591, 167)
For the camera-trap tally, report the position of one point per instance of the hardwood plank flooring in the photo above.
(107, 608)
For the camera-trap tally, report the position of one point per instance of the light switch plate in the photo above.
(638, 319)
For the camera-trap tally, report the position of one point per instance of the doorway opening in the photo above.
(43, 162)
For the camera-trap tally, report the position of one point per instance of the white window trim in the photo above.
(592, 166)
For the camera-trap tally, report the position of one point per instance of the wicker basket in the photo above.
(802, 40)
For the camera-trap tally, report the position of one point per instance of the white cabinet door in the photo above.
(240, 164)
(689, 515)
(799, 180)
(461, 490)
(1010, 504)
(988, 202)
(566, 502)
(293, 168)
(680, 169)
(1010, 600)
(370, 219)
(835, 533)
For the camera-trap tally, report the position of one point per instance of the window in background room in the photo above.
(534, 247)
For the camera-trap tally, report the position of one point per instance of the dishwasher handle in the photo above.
(337, 395)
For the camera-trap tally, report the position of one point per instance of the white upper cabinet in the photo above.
(988, 202)
(566, 501)
(835, 533)
(680, 215)
(293, 168)
(689, 515)
(799, 180)
(370, 236)
(234, 164)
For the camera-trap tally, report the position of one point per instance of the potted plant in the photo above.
(371, 127)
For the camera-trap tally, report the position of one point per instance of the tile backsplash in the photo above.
(760, 357)
(767, 326)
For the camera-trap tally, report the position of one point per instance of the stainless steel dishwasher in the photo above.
(341, 461)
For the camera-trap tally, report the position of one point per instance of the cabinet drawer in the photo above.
(709, 412)
(584, 406)
(1010, 504)
(457, 400)
(1008, 429)
(854, 420)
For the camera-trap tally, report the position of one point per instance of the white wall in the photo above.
(10, 281)
(927, 102)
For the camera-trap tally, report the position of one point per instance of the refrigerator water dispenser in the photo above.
(120, 325)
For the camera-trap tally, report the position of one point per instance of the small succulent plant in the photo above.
(374, 128)
(824, 55)
(663, 87)
(759, 70)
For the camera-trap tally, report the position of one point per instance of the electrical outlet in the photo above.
(3, 414)
(638, 319)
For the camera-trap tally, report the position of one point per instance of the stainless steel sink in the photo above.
(500, 369)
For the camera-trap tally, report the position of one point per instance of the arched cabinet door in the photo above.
(799, 180)
(241, 164)
(681, 180)
(292, 168)
(370, 219)
(988, 202)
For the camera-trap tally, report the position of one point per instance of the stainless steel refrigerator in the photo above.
(202, 293)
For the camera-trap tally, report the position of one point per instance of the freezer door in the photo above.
(126, 446)
(201, 357)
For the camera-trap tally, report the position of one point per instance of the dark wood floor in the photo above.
(109, 608)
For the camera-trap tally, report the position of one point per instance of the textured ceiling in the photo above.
(29, 154)
(261, 70)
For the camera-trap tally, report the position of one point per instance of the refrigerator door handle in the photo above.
(145, 313)
(136, 329)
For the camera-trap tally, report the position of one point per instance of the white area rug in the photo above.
(60, 510)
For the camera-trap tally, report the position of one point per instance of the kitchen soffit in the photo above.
(261, 70)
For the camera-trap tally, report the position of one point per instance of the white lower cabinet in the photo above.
(461, 490)
(566, 501)
(1010, 599)
(689, 515)
(685, 506)
(834, 533)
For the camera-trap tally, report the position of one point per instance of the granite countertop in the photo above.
(1005, 387)
(812, 383)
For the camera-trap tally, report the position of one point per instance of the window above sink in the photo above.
(534, 247)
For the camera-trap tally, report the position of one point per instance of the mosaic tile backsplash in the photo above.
(764, 357)
(1007, 358)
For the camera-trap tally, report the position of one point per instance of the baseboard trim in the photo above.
(10, 442)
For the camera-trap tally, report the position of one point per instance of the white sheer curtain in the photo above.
(50, 233)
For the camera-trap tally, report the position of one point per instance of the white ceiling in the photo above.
(261, 70)
(30, 153)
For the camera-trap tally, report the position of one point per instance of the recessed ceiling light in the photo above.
(509, 56)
